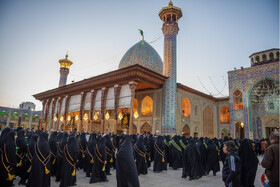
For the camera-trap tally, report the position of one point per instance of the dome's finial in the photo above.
(170, 3)
(66, 56)
(142, 33)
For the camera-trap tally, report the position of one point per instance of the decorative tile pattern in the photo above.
(143, 54)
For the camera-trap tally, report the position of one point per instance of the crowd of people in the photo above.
(36, 156)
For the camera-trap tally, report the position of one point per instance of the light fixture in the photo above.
(107, 116)
(95, 117)
(136, 115)
(68, 118)
(61, 118)
(120, 116)
(55, 119)
(76, 117)
(85, 116)
(242, 125)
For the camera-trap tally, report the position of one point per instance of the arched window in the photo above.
(257, 58)
(237, 100)
(271, 56)
(136, 105)
(147, 106)
(252, 60)
(264, 57)
(224, 115)
(208, 122)
(186, 107)
(277, 55)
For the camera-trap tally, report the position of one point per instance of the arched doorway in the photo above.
(239, 130)
(271, 126)
(208, 122)
(224, 132)
(147, 106)
(146, 128)
(186, 131)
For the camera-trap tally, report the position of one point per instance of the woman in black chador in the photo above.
(59, 156)
(82, 141)
(110, 153)
(126, 171)
(212, 159)
(3, 138)
(159, 156)
(167, 145)
(90, 153)
(192, 166)
(30, 154)
(148, 151)
(175, 153)
(70, 157)
(249, 163)
(53, 147)
(21, 152)
(40, 171)
(8, 160)
(140, 156)
(100, 160)
(202, 148)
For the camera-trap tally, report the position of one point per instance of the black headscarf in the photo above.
(126, 168)
(21, 142)
(11, 148)
(4, 136)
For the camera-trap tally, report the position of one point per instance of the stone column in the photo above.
(92, 101)
(58, 113)
(53, 112)
(104, 92)
(47, 115)
(117, 89)
(132, 86)
(42, 114)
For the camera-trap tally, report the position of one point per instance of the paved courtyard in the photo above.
(168, 178)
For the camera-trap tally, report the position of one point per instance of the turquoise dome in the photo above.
(143, 54)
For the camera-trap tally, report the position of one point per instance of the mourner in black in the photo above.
(126, 170)
(59, 156)
(201, 147)
(70, 157)
(212, 159)
(21, 152)
(90, 153)
(249, 163)
(8, 160)
(82, 141)
(40, 170)
(53, 146)
(159, 156)
(140, 155)
(100, 160)
(110, 153)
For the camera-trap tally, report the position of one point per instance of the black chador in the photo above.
(159, 156)
(3, 138)
(82, 141)
(175, 153)
(212, 159)
(30, 154)
(110, 153)
(8, 160)
(152, 143)
(223, 155)
(21, 152)
(100, 160)
(40, 170)
(201, 147)
(114, 144)
(59, 156)
(140, 156)
(90, 153)
(53, 146)
(148, 151)
(126, 170)
(167, 145)
(70, 157)
(249, 163)
(192, 166)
